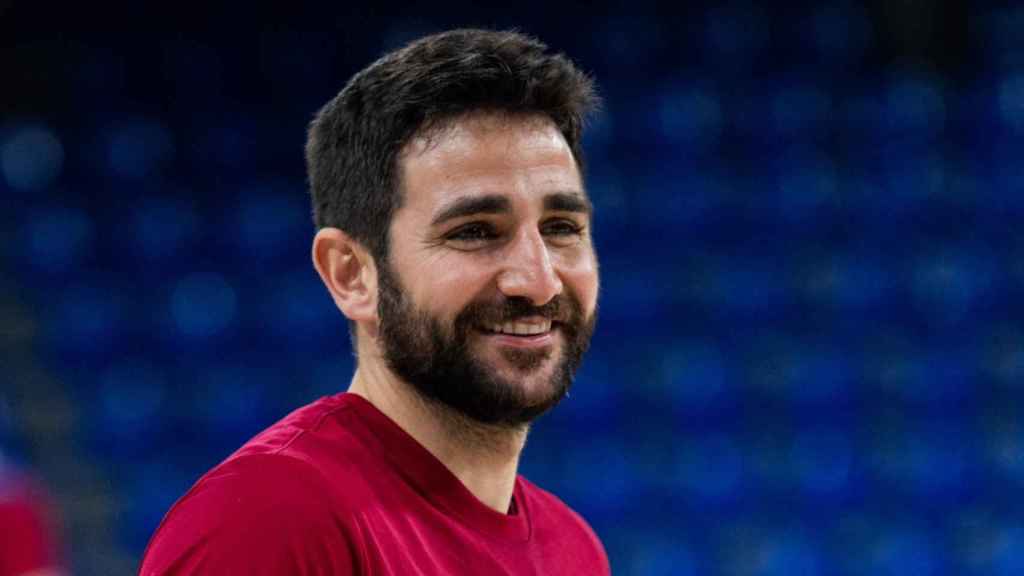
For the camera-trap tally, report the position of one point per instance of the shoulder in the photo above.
(259, 514)
(267, 509)
(256, 483)
(554, 520)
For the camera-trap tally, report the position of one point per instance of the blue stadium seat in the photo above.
(31, 156)
(137, 148)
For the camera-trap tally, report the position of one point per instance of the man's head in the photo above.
(355, 141)
(447, 189)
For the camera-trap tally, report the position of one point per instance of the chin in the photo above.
(537, 385)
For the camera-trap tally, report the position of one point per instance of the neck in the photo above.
(483, 457)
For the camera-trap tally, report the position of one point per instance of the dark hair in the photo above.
(355, 139)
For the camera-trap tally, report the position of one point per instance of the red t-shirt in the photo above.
(336, 487)
(27, 541)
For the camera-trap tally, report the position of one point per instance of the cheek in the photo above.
(584, 281)
(449, 288)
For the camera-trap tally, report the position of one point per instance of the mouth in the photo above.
(522, 333)
(521, 327)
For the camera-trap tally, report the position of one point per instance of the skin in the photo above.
(530, 248)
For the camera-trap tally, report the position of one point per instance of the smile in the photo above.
(521, 328)
(530, 333)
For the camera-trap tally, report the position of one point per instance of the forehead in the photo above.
(525, 157)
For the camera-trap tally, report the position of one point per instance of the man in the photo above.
(454, 234)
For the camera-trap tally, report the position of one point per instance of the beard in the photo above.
(435, 358)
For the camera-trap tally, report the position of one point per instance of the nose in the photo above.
(528, 271)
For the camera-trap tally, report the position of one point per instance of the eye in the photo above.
(562, 230)
(472, 233)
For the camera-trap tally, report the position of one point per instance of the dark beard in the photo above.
(437, 362)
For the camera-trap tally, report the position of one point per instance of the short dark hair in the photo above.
(355, 139)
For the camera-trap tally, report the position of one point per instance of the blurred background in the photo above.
(810, 358)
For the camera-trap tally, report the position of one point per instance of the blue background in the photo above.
(810, 353)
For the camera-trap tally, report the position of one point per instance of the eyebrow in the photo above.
(491, 204)
(568, 202)
(495, 204)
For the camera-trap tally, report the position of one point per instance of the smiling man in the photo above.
(454, 234)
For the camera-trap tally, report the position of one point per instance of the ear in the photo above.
(349, 273)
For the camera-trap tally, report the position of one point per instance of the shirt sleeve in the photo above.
(259, 515)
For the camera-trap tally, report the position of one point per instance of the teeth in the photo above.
(522, 328)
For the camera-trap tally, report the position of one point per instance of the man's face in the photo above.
(487, 301)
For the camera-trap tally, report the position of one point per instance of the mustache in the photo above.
(558, 309)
